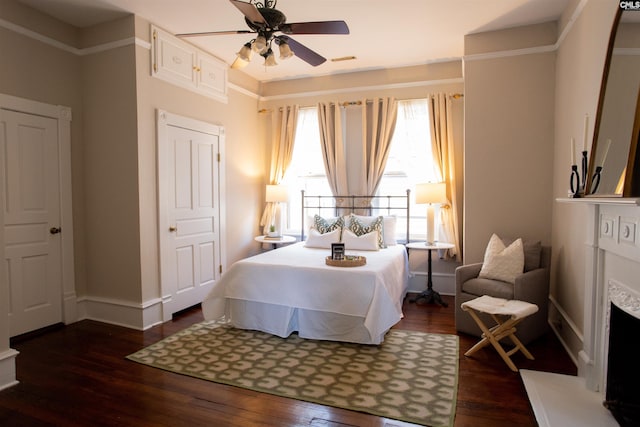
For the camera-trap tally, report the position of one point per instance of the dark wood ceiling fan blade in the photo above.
(302, 52)
(250, 11)
(320, 27)
(214, 33)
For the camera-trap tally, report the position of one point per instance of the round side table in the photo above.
(429, 295)
(275, 241)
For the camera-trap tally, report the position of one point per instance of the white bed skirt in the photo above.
(282, 321)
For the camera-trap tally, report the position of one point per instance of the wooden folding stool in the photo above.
(512, 312)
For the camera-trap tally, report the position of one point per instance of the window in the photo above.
(306, 171)
(410, 161)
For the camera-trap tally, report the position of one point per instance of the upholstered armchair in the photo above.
(532, 286)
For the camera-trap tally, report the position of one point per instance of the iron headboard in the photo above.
(361, 205)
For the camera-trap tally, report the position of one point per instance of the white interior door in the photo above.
(189, 219)
(31, 196)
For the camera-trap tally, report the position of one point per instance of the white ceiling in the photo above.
(383, 33)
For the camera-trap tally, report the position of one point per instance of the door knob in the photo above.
(172, 228)
(55, 230)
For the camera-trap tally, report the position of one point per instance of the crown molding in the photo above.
(421, 83)
(74, 50)
(533, 50)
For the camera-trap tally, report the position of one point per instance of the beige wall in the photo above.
(244, 161)
(112, 223)
(580, 62)
(36, 71)
(508, 155)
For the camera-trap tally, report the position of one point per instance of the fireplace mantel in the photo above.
(620, 201)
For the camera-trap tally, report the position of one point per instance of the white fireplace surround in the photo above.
(613, 263)
(612, 276)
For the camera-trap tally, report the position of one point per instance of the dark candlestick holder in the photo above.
(578, 180)
(596, 179)
(575, 181)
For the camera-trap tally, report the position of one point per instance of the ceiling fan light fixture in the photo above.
(245, 52)
(260, 44)
(265, 21)
(269, 58)
(285, 50)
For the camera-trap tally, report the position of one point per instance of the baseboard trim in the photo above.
(566, 330)
(444, 283)
(8, 368)
(139, 316)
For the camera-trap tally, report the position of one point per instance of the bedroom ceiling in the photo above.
(383, 33)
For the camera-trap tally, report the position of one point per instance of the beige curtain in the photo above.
(333, 152)
(378, 124)
(283, 125)
(442, 144)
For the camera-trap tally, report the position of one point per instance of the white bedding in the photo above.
(292, 289)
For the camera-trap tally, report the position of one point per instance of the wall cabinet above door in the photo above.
(185, 65)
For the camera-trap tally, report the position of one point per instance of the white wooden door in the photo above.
(189, 219)
(31, 196)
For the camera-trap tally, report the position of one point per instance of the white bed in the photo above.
(292, 289)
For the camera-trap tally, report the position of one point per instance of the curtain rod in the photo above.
(350, 103)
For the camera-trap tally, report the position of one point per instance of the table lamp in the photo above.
(276, 194)
(431, 193)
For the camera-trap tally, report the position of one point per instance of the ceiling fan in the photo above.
(265, 20)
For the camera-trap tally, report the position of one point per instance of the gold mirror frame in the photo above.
(619, 177)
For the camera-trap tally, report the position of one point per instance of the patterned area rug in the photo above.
(411, 376)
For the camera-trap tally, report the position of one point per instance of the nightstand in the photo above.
(275, 241)
(429, 295)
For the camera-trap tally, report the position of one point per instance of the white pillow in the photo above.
(366, 242)
(315, 239)
(389, 227)
(502, 263)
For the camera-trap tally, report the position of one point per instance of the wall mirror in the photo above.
(613, 151)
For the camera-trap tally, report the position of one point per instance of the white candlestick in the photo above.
(573, 151)
(430, 224)
(586, 128)
(606, 151)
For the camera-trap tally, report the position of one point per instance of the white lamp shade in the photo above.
(245, 52)
(269, 59)
(260, 44)
(285, 51)
(277, 193)
(431, 192)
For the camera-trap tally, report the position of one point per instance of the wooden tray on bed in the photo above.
(348, 261)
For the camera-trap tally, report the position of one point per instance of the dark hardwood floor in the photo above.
(77, 375)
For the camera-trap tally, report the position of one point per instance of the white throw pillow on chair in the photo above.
(502, 263)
